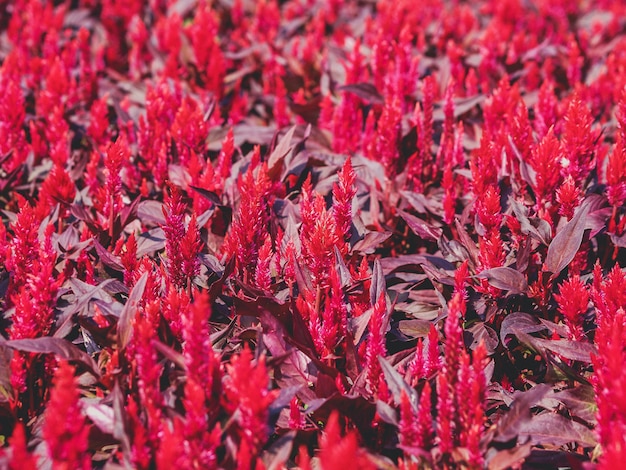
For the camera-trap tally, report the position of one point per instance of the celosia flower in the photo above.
(247, 233)
(64, 428)
(58, 187)
(148, 374)
(117, 154)
(99, 120)
(34, 307)
(203, 35)
(608, 384)
(246, 395)
(388, 136)
(224, 160)
(484, 164)
(190, 246)
(181, 245)
(141, 453)
(21, 459)
(424, 435)
(609, 298)
(170, 453)
(200, 360)
(544, 160)
(334, 324)
(341, 453)
(376, 345)
(129, 260)
(573, 300)
(343, 194)
(346, 116)
(416, 366)
(189, 130)
(474, 424)
(445, 414)
(168, 33)
(12, 115)
(408, 425)
(579, 142)
(262, 274)
(568, 195)
(454, 336)
(296, 418)
(318, 236)
(433, 361)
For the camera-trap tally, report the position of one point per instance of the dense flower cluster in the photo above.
(312, 233)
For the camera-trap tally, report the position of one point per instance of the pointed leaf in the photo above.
(506, 279)
(553, 429)
(275, 161)
(422, 229)
(508, 426)
(519, 322)
(566, 243)
(378, 283)
(57, 346)
(574, 350)
(124, 324)
(397, 385)
(365, 91)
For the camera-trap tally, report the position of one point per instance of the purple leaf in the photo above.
(278, 155)
(58, 346)
(574, 350)
(485, 334)
(553, 429)
(508, 426)
(108, 259)
(151, 213)
(580, 402)
(365, 91)
(124, 324)
(565, 244)
(101, 415)
(506, 279)
(422, 229)
(277, 455)
(509, 458)
(397, 385)
(519, 322)
(370, 242)
(378, 283)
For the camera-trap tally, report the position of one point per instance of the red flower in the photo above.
(341, 453)
(247, 397)
(376, 346)
(343, 194)
(117, 155)
(21, 459)
(573, 300)
(64, 428)
(568, 196)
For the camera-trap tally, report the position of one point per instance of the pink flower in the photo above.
(573, 301)
(376, 345)
(341, 453)
(246, 395)
(64, 428)
(20, 459)
(568, 195)
(343, 194)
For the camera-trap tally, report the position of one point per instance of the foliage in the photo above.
(312, 233)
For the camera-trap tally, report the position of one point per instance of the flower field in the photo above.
(312, 234)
